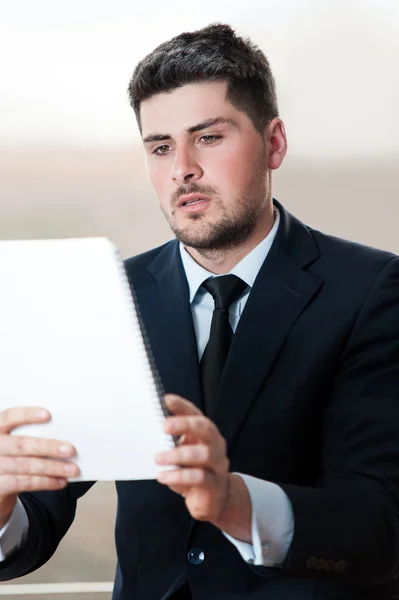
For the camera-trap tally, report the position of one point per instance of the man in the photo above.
(288, 458)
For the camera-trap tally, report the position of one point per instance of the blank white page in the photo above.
(70, 341)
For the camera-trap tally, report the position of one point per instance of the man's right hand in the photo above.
(30, 464)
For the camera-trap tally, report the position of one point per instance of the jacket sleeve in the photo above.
(347, 525)
(50, 515)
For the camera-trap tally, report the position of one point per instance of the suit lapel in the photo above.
(165, 307)
(280, 293)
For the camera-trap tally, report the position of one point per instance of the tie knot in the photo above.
(225, 289)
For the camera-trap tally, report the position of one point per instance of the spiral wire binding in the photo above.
(136, 312)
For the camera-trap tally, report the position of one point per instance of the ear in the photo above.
(277, 142)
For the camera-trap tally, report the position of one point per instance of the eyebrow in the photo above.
(161, 137)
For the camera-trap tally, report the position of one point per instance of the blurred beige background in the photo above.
(71, 163)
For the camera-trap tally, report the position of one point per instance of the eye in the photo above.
(162, 150)
(209, 139)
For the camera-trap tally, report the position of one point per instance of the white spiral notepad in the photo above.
(71, 340)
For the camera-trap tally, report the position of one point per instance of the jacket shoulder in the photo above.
(350, 256)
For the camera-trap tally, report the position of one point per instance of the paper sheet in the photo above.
(70, 342)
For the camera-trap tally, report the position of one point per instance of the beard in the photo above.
(235, 223)
(230, 230)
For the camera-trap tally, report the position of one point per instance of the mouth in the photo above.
(193, 202)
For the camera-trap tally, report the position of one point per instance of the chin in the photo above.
(202, 242)
(194, 241)
(193, 234)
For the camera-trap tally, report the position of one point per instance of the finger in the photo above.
(30, 446)
(201, 455)
(15, 484)
(180, 406)
(36, 466)
(182, 490)
(22, 415)
(185, 477)
(199, 426)
(187, 438)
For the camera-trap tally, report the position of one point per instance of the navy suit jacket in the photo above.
(309, 399)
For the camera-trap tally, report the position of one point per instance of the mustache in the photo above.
(192, 188)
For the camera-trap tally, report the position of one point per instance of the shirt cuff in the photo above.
(14, 532)
(272, 524)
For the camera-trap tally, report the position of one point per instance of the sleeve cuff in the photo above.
(272, 524)
(13, 534)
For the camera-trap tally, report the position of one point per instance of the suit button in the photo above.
(340, 566)
(320, 564)
(330, 565)
(311, 562)
(196, 556)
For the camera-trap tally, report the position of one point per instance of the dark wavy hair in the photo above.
(214, 53)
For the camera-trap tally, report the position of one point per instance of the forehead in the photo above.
(178, 110)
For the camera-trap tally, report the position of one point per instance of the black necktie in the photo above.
(225, 290)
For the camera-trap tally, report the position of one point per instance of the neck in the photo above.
(220, 262)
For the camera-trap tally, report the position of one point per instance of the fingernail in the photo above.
(66, 449)
(70, 468)
(42, 413)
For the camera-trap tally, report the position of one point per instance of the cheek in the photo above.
(231, 172)
(158, 177)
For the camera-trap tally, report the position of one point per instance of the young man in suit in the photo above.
(280, 345)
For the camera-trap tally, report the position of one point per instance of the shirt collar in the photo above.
(247, 269)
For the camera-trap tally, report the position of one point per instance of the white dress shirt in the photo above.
(272, 516)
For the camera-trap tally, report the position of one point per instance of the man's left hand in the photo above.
(211, 493)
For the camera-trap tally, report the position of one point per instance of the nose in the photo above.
(185, 168)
